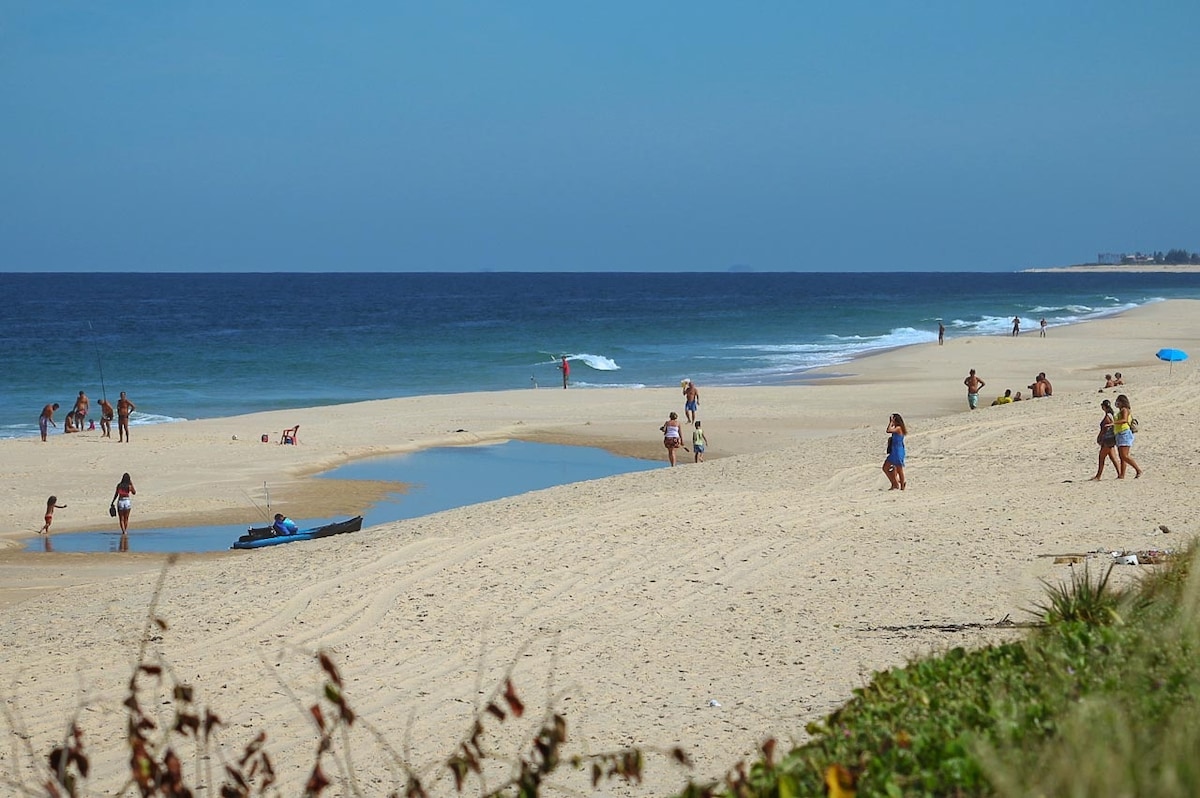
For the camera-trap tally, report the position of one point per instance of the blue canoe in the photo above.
(258, 537)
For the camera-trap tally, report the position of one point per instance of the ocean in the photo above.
(187, 346)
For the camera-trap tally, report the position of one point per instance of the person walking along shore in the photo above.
(122, 501)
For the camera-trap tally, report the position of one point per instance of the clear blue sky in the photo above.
(617, 136)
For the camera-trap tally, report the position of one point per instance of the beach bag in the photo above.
(1133, 425)
(112, 510)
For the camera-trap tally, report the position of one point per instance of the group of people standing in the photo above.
(77, 416)
(672, 429)
(1016, 327)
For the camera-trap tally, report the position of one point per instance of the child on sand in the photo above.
(699, 443)
(51, 504)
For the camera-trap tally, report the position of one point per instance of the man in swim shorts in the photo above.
(974, 385)
(691, 402)
(124, 408)
(47, 419)
(80, 410)
(106, 417)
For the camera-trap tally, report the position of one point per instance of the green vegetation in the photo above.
(1100, 700)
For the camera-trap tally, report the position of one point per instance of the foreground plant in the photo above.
(1100, 700)
(156, 768)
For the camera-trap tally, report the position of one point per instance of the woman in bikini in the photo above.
(122, 501)
(1107, 439)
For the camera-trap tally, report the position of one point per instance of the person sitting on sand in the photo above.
(1003, 400)
(284, 525)
(1041, 386)
(69, 423)
(1108, 383)
(1017, 396)
(51, 505)
(1117, 379)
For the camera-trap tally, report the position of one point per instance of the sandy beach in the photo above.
(710, 606)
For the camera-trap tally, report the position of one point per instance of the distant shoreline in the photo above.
(1123, 268)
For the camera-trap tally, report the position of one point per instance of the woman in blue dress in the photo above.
(893, 466)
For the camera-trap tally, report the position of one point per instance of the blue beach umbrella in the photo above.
(1171, 356)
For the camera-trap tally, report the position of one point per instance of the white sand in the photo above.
(762, 579)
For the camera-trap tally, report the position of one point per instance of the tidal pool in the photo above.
(437, 479)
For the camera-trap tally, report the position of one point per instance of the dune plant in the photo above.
(1108, 684)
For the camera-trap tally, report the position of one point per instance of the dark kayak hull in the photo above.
(260, 537)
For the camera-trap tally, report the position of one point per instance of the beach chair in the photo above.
(291, 435)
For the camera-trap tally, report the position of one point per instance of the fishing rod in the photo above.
(99, 364)
(265, 513)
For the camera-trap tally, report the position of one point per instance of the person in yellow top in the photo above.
(1124, 437)
(699, 443)
(1004, 400)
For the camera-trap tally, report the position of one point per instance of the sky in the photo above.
(618, 136)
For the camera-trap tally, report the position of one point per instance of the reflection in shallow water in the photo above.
(438, 479)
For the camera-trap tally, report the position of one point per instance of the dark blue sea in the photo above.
(203, 345)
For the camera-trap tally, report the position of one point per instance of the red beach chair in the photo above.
(291, 436)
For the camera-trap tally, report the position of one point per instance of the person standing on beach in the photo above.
(51, 505)
(1016, 326)
(82, 404)
(699, 444)
(106, 417)
(672, 436)
(124, 408)
(1043, 325)
(1107, 440)
(122, 502)
(893, 465)
(566, 370)
(941, 333)
(974, 385)
(47, 419)
(691, 402)
(1121, 426)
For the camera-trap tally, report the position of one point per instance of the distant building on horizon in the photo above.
(1115, 258)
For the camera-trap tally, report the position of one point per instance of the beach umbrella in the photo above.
(1171, 356)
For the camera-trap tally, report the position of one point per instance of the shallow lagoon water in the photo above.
(438, 479)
